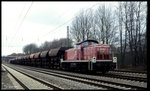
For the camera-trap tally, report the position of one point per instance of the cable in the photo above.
(22, 21)
(13, 38)
(15, 27)
(58, 27)
(51, 30)
(60, 16)
(66, 22)
(19, 18)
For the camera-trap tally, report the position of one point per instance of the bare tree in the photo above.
(31, 48)
(82, 24)
(75, 30)
(100, 13)
(45, 46)
(105, 25)
(55, 44)
(132, 19)
(120, 24)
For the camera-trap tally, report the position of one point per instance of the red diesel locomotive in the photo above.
(86, 56)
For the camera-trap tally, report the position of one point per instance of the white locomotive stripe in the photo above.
(86, 61)
(76, 61)
(103, 60)
(102, 46)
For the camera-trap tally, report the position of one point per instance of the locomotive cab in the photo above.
(87, 43)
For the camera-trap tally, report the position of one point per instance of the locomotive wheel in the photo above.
(103, 72)
(92, 71)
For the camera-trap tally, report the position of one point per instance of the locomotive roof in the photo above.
(87, 41)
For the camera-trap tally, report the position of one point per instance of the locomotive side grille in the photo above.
(106, 56)
(99, 56)
(102, 53)
(102, 56)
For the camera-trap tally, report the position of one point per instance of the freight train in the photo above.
(85, 56)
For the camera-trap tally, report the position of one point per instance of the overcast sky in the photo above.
(36, 22)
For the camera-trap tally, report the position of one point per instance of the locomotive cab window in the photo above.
(76, 46)
(85, 44)
(93, 43)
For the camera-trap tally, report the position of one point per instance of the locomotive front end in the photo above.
(103, 61)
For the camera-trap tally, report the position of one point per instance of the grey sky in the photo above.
(40, 23)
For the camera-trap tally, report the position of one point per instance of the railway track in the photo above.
(85, 79)
(40, 72)
(70, 78)
(129, 71)
(132, 77)
(21, 84)
(24, 85)
(141, 75)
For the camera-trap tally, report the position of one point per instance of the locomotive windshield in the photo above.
(87, 43)
(76, 46)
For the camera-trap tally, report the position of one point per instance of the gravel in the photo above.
(28, 82)
(129, 74)
(6, 82)
(116, 80)
(64, 83)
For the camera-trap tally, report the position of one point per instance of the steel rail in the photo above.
(23, 86)
(96, 80)
(39, 80)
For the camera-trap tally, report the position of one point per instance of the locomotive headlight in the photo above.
(94, 59)
(114, 59)
(61, 60)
